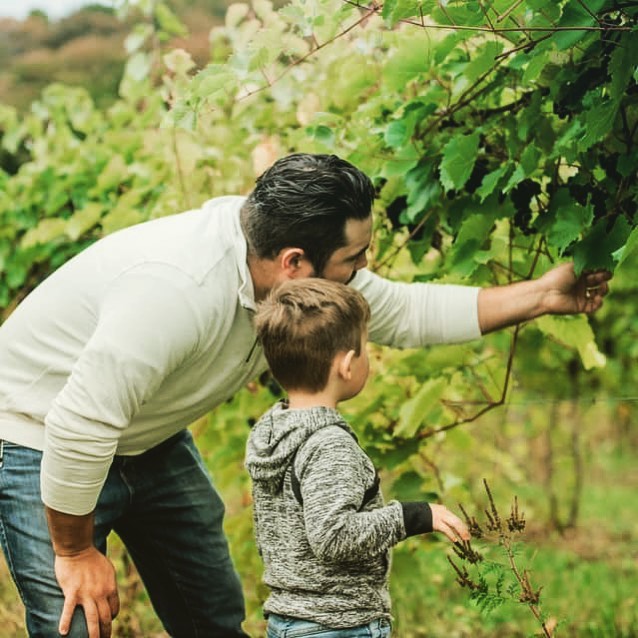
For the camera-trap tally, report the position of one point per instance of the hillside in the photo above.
(87, 49)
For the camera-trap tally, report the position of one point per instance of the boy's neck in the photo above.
(300, 400)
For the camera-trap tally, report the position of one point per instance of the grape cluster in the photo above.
(521, 196)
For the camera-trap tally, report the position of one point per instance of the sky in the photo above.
(53, 8)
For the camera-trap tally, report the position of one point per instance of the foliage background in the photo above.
(501, 136)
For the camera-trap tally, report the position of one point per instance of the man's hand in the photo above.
(567, 294)
(557, 292)
(85, 575)
(88, 579)
(449, 524)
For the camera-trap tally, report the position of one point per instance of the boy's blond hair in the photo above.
(304, 324)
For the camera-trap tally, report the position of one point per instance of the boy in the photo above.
(322, 528)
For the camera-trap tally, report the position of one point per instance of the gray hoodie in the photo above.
(323, 530)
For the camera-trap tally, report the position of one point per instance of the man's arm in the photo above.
(557, 292)
(85, 575)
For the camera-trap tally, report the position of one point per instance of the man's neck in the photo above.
(263, 275)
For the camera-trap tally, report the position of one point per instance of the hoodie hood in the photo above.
(277, 436)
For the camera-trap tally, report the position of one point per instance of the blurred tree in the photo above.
(85, 22)
(87, 49)
(38, 13)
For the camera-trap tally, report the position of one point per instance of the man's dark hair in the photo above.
(304, 200)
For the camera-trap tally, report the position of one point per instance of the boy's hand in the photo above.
(449, 524)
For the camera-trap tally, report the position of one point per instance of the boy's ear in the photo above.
(294, 263)
(345, 365)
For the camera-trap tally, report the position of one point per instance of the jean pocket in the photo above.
(4, 447)
(384, 629)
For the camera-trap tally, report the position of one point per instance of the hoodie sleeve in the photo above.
(334, 474)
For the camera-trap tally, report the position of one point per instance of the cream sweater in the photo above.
(150, 328)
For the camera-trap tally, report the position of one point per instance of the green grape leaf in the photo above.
(597, 124)
(12, 137)
(415, 411)
(168, 21)
(515, 178)
(401, 163)
(570, 220)
(423, 364)
(530, 158)
(395, 10)
(112, 175)
(622, 65)
(182, 115)
(396, 454)
(537, 62)
(83, 220)
(179, 61)
(565, 139)
(56, 199)
(322, 134)
(627, 165)
(411, 58)
(214, 78)
(597, 248)
(46, 231)
(409, 487)
(459, 156)
(482, 60)
(630, 248)
(575, 14)
(462, 260)
(466, 13)
(490, 181)
(126, 212)
(423, 190)
(396, 135)
(16, 270)
(573, 332)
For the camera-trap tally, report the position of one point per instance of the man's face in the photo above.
(345, 261)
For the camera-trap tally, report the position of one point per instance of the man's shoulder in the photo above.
(226, 203)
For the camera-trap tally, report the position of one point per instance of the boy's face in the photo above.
(345, 261)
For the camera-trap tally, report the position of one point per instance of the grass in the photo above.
(589, 574)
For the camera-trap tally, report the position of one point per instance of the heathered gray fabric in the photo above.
(328, 560)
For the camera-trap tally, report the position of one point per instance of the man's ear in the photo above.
(294, 263)
(345, 365)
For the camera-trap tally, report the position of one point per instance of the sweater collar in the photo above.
(246, 290)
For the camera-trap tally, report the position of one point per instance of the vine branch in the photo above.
(376, 9)
(491, 405)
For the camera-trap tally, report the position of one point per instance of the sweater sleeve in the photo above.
(417, 517)
(147, 326)
(333, 480)
(408, 315)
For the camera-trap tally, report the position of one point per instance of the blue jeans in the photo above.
(284, 627)
(165, 509)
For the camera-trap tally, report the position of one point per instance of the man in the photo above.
(109, 360)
